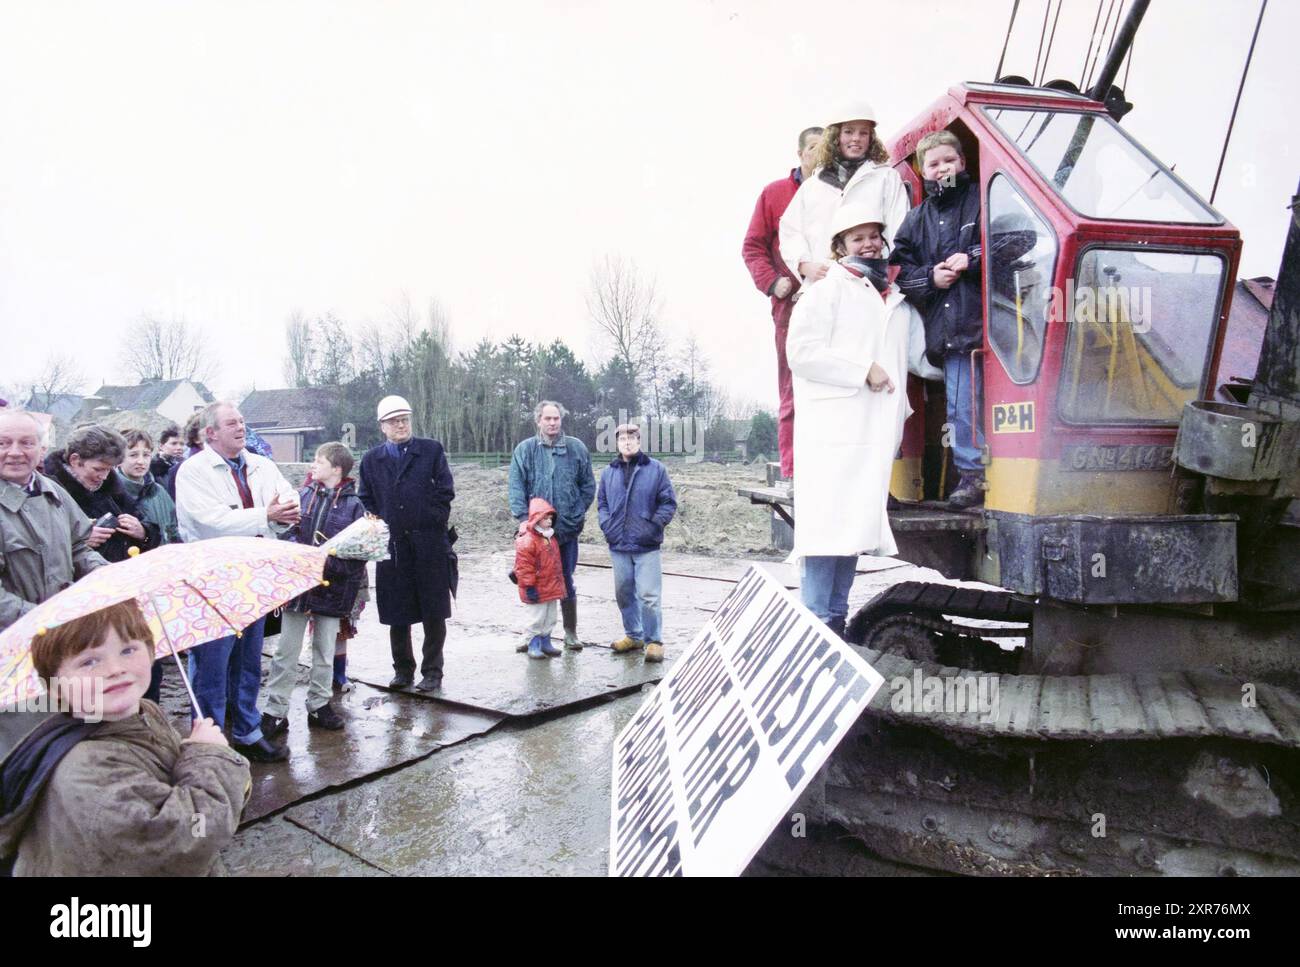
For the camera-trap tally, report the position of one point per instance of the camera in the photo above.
(108, 520)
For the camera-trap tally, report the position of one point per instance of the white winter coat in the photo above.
(805, 229)
(208, 502)
(846, 435)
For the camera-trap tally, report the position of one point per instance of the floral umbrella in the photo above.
(189, 594)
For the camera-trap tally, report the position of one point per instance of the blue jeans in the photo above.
(228, 671)
(825, 585)
(957, 387)
(568, 562)
(638, 582)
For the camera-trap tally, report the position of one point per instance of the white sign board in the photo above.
(723, 747)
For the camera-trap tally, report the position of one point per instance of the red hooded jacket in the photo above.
(537, 558)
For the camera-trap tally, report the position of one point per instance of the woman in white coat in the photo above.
(848, 355)
(852, 168)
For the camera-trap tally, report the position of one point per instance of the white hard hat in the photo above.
(392, 406)
(854, 214)
(855, 110)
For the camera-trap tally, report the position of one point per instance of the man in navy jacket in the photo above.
(636, 501)
(408, 483)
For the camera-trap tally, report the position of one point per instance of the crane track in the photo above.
(1163, 772)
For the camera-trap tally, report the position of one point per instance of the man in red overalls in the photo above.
(763, 259)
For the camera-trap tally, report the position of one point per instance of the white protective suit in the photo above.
(805, 229)
(846, 435)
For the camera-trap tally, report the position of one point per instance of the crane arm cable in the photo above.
(1237, 103)
(1042, 35)
(1092, 39)
(1010, 23)
(1052, 37)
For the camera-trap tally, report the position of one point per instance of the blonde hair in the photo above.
(934, 140)
(828, 152)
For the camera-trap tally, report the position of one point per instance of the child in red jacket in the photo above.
(540, 575)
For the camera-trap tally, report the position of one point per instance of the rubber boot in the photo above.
(569, 615)
(969, 492)
(548, 647)
(535, 647)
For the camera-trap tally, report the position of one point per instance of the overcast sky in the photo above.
(231, 162)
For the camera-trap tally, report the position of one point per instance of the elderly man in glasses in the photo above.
(407, 482)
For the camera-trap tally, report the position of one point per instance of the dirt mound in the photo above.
(711, 517)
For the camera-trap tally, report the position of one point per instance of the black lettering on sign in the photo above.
(719, 769)
(645, 837)
(820, 727)
(699, 682)
(639, 745)
(725, 618)
(661, 855)
(764, 639)
(785, 681)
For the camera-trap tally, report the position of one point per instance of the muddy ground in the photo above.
(711, 518)
(507, 770)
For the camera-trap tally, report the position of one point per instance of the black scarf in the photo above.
(839, 172)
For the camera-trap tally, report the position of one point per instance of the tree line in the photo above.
(481, 400)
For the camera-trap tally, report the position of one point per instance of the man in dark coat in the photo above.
(408, 483)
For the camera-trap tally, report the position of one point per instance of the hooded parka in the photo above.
(847, 434)
(537, 558)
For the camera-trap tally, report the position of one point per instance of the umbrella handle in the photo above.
(189, 689)
(198, 712)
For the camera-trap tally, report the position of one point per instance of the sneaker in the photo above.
(969, 492)
(325, 718)
(627, 643)
(654, 651)
(272, 726)
(572, 641)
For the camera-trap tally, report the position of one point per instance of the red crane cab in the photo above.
(1106, 289)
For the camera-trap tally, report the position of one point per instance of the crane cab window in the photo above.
(1141, 333)
(1097, 169)
(1021, 256)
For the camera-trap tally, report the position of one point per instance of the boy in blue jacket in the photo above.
(635, 501)
(937, 249)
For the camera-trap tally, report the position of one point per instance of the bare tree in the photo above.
(161, 350)
(624, 309)
(59, 374)
(300, 355)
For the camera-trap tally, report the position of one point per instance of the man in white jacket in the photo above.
(225, 491)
